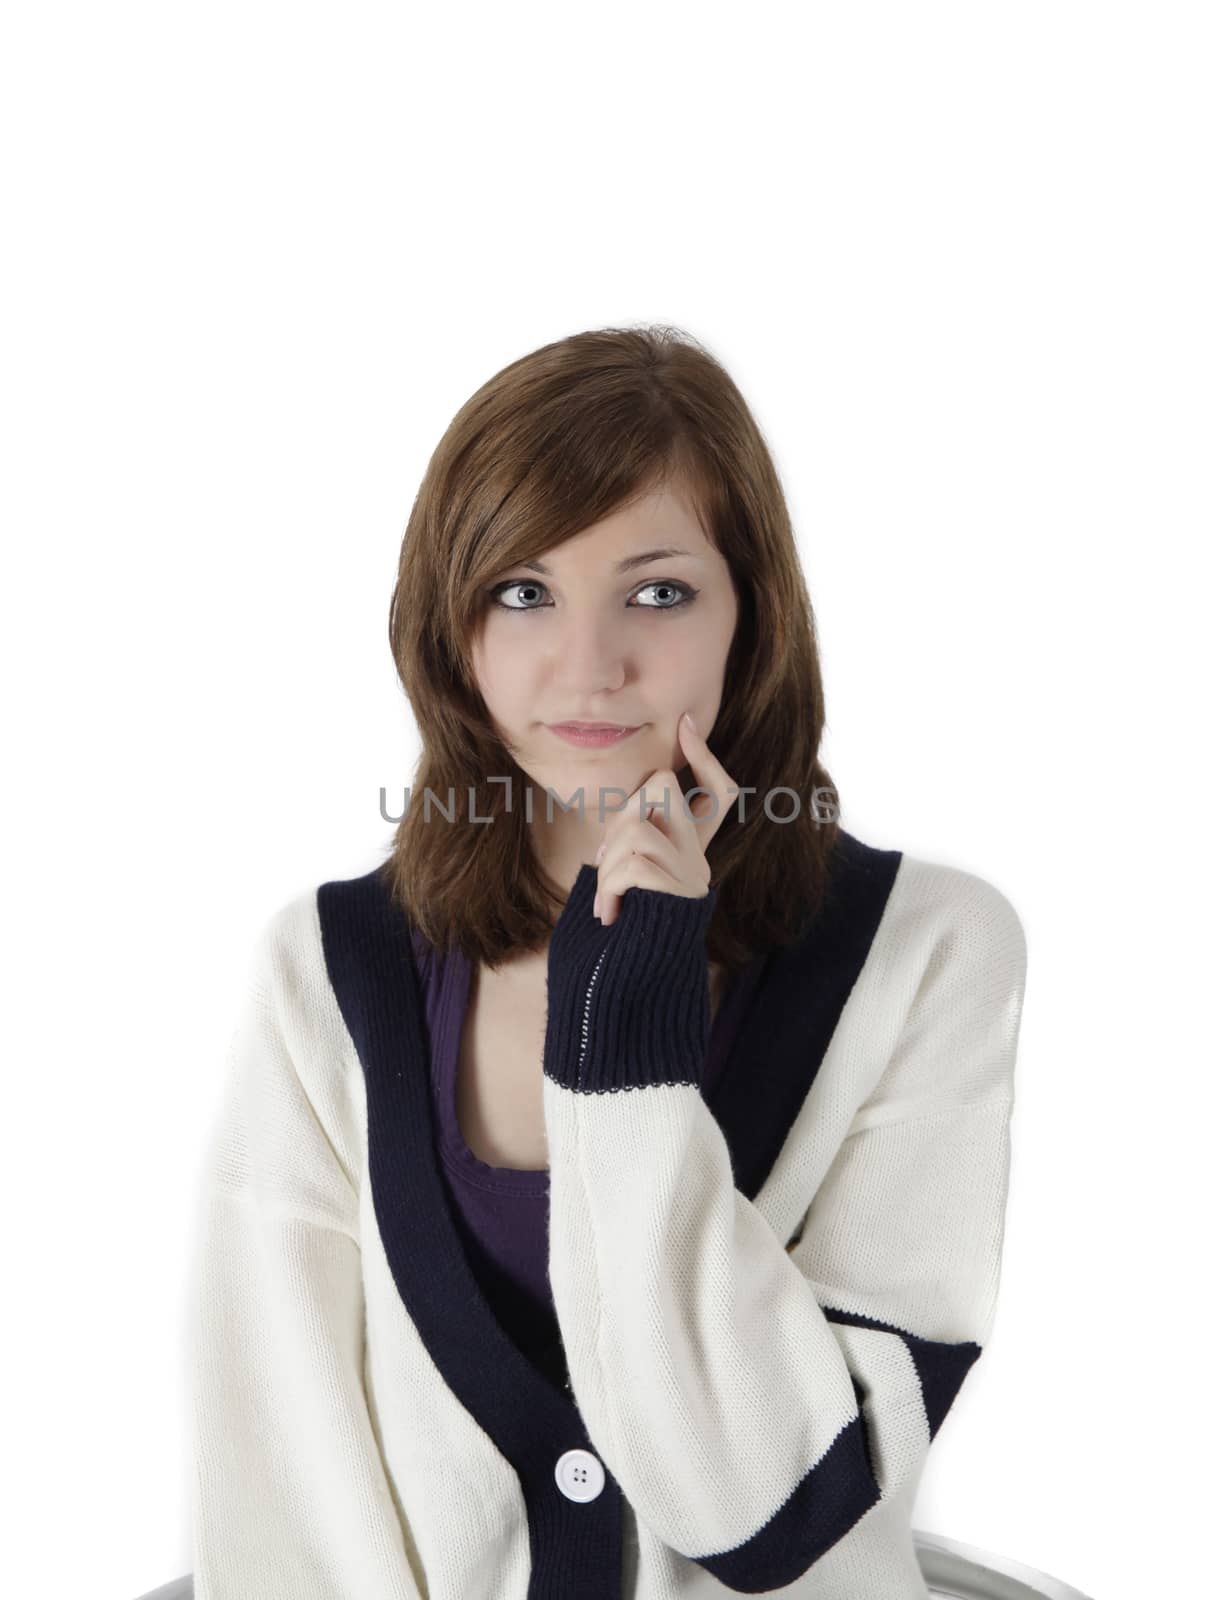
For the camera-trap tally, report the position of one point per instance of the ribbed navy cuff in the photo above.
(628, 1005)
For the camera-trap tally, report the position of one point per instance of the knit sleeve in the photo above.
(755, 1399)
(290, 1499)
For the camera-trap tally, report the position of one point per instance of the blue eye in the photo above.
(686, 591)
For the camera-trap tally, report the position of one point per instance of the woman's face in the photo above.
(602, 630)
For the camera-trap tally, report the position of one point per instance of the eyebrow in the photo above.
(627, 563)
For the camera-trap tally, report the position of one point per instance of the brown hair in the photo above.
(555, 442)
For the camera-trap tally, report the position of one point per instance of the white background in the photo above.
(957, 257)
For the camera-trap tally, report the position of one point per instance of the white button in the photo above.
(579, 1475)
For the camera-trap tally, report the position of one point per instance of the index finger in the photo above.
(710, 775)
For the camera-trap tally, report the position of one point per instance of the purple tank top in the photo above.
(501, 1213)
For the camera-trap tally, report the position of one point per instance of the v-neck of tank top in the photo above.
(447, 988)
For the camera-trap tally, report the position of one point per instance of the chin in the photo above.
(590, 771)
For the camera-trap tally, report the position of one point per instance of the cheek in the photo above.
(502, 663)
(687, 655)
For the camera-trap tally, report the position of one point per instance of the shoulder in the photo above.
(292, 986)
(287, 949)
(944, 989)
(914, 908)
(936, 907)
(289, 1127)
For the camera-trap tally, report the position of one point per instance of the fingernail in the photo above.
(595, 908)
(691, 721)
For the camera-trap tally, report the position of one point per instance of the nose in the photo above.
(590, 655)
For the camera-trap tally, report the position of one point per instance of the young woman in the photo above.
(609, 1189)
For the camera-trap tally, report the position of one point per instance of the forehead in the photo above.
(660, 525)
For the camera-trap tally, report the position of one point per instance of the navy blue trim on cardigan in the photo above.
(941, 1367)
(576, 1548)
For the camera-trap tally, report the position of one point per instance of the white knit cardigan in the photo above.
(767, 1302)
